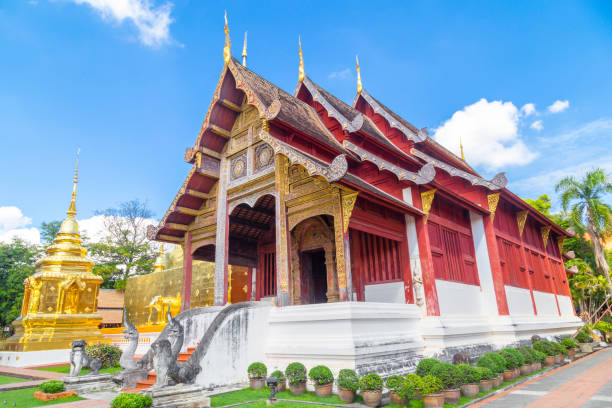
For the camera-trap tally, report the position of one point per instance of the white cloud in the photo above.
(344, 74)
(558, 106)
(537, 125)
(153, 23)
(528, 109)
(489, 132)
(13, 225)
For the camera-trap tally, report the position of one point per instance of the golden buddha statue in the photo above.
(60, 298)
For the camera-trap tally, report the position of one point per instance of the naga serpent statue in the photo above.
(127, 361)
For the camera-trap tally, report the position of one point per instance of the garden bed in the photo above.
(24, 398)
(4, 379)
(65, 369)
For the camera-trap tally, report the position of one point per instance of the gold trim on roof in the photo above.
(521, 218)
(427, 198)
(359, 86)
(301, 72)
(227, 49)
(493, 200)
(545, 231)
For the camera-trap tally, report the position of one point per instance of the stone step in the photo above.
(150, 381)
(131, 390)
(143, 384)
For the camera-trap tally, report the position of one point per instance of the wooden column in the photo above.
(187, 273)
(341, 247)
(521, 219)
(496, 271)
(281, 164)
(222, 241)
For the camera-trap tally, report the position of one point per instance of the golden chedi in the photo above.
(60, 298)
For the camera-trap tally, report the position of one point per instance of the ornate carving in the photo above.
(332, 172)
(493, 200)
(521, 218)
(351, 126)
(282, 186)
(496, 183)
(545, 231)
(264, 157)
(238, 166)
(127, 361)
(348, 202)
(425, 175)
(339, 235)
(79, 360)
(273, 110)
(427, 198)
(560, 240)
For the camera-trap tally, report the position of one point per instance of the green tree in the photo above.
(48, 231)
(542, 204)
(587, 211)
(17, 261)
(125, 250)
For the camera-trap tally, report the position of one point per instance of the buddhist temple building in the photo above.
(347, 214)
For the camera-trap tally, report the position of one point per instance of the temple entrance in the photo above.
(314, 277)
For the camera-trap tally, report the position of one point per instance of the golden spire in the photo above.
(301, 73)
(227, 49)
(72, 209)
(359, 86)
(244, 53)
(159, 261)
(461, 147)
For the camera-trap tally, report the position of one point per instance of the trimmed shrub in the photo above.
(528, 355)
(559, 348)
(52, 387)
(471, 374)
(570, 343)
(487, 361)
(407, 388)
(545, 347)
(279, 375)
(321, 375)
(132, 401)
(415, 381)
(108, 354)
(431, 385)
(520, 360)
(257, 370)
(451, 376)
(394, 382)
(499, 360)
(296, 373)
(485, 373)
(584, 335)
(348, 379)
(540, 357)
(424, 367)
(371, 382)
(511, 361)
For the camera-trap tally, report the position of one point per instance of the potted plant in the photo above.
(547, 348)
(416, 382)
(425, 366)
(52, 390)
(584, 339)
(487, 361)
(560, 351)
(452, 379)
(540, 359)
(257, 375)
(527, 360)
(571, 345)
(500, 363)
(518, 360)
(407, 388)
(371, 389)
(431, 389)
(348, 383)
(486, 379)
(132, 401)
(472, 378)
(323, 380)
(296, 376)
(510, 365)
(394, 384)
(282, 380)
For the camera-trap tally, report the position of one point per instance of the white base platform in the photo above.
(34, 358)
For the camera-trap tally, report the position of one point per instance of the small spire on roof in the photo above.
(359, 86)
(72, 209)
(301, 73)
(227, 49)
(244, 53)
(461, 148)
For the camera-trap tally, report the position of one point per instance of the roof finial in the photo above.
(159, 261)
(227, 49)
(301, 73)
(359, 86)
(244, 53)
(461, 148)
(72, 209)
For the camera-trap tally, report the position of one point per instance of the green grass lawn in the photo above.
(66, 370)
(9, 380)
(24, 398)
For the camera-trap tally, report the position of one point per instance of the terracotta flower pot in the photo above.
(517, 373)
(433, 401)
(396, 399)
(452, 396)
(571, 353)
(323, 390)
(485, 385)
(346, 395)
(43, 396)
(501, 379)
(371, 398)
(534, 367)
(297, 389)
(525, 369)
(470, 390)
(417, 395)
(508, 375)
(496, 381)
(257, 383)
(550, 360)
(538, 366)
(558, 358)
(282, 386)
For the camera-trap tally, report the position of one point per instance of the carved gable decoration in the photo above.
(394, 123)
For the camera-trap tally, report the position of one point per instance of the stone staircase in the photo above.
(150, 381)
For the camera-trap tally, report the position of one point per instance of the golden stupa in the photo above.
(61, 297)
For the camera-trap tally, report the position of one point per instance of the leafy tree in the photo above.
(16, 264)
(587, 211)
(542, 204)
(48, 231)
(125, 250)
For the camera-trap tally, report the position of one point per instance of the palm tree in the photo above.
(588, 212)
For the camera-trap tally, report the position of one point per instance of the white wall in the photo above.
(483, 262)
(33, 358)
(392, 292)
(415, 257)
(565, 304)
(519, 301)
(545, 303)
(458, 298)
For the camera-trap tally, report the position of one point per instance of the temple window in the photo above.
(266, 285)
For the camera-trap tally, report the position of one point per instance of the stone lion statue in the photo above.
(79, 360)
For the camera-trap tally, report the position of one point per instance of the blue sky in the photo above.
(129, 81)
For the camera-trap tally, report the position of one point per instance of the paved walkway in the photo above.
(584, 383)
(29, 373)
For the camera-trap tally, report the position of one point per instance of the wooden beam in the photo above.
(248, 223)
(230, 105)
(209, 173)
(178, 227)
(198, 194)
(209, 152)
(170, 238)
(187, 210)
(220, 131)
